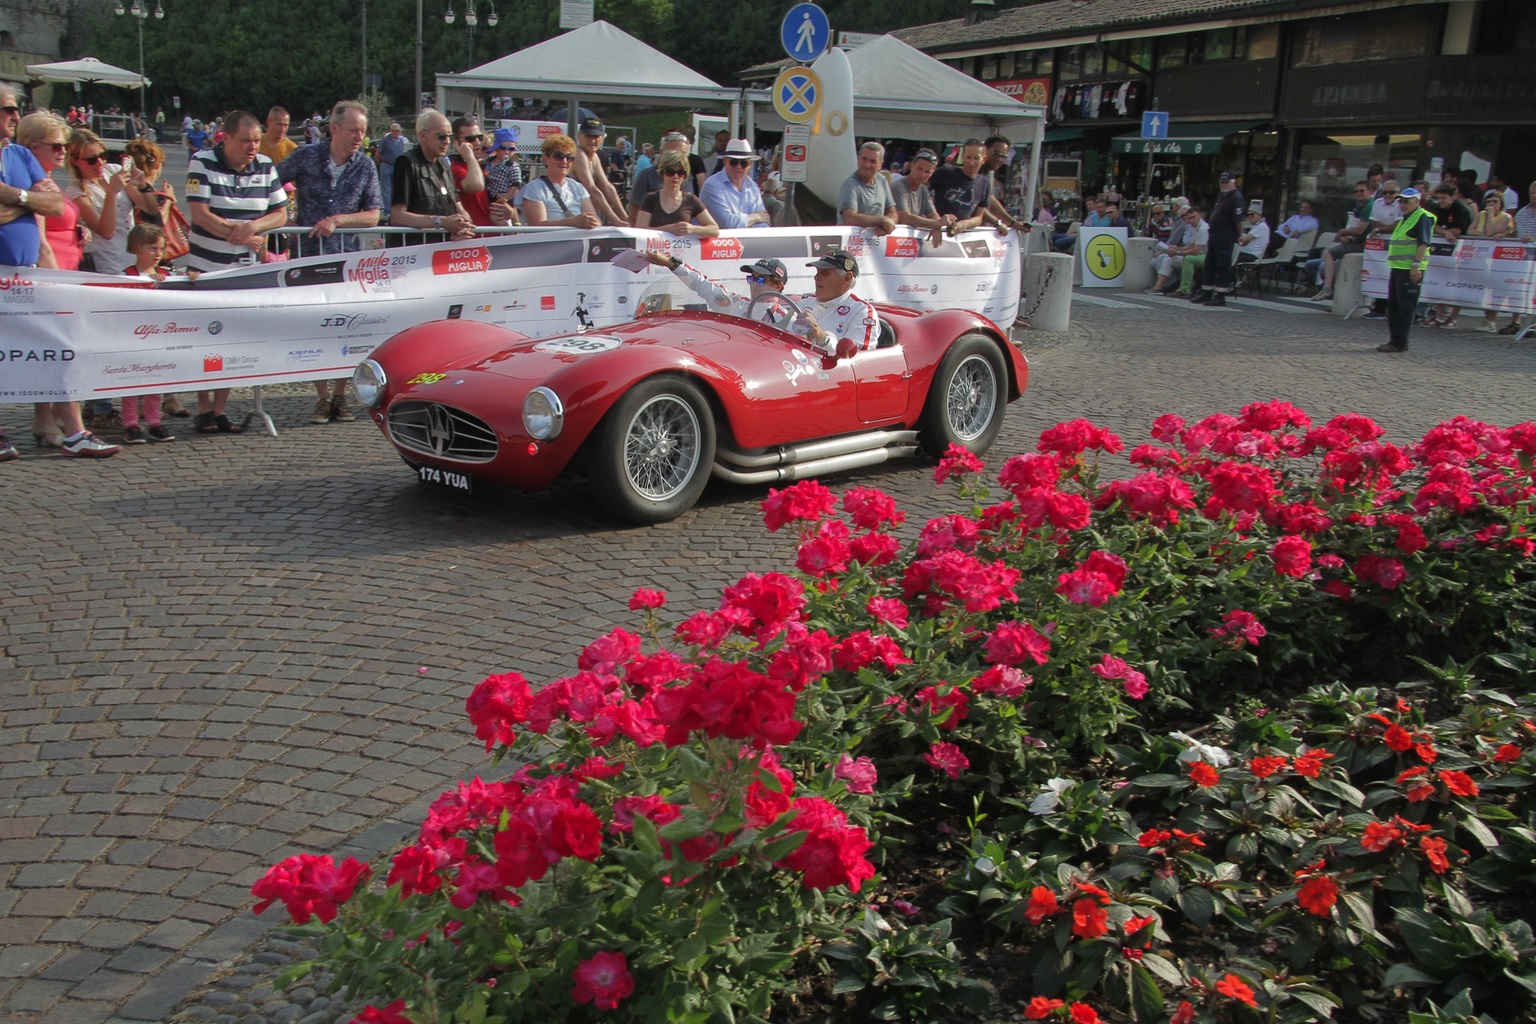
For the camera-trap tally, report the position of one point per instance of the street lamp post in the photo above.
(140, 12)
(471, 18)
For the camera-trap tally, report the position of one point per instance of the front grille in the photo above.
(441, 431)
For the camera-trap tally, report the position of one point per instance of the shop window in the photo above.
(1350, 38)
(1093, 62)
(7, 41)
(1263, 42)
(989, 69)
(1218, 45)
(1328, 165)
(1005, 65)
(1071, 65)
(1045, 62)
(1172, 52)
(1506, 26)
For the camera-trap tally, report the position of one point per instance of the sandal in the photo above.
(205, 423)
(171, 407)
(223, 424)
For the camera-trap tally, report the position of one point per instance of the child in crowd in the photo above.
(147, 245)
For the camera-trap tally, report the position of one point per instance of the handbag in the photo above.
(171, 221)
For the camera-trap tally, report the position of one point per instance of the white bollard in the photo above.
(1048, 287)
(1138, 276)
(1347, 284)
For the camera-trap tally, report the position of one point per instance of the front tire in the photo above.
(967, 399)
(653, 454)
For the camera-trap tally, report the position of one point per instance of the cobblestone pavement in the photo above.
(228, 649)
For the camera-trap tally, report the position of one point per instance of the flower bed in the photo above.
(1243, 735)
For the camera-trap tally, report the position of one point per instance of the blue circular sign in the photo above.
(806, 33)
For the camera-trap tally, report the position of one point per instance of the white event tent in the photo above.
(89, 70)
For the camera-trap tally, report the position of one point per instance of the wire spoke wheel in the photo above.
(972, 398)
(662, 447)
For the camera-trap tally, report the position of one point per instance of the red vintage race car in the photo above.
(650, 409)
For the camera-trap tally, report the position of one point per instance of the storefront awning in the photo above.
(1188, 139)
(1063, 134)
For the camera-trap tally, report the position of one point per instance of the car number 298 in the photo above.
(445, 478)
(582, 345)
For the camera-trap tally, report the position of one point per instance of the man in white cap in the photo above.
(731, 196)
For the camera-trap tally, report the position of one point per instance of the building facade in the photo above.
(31, 32)
(1301, 97)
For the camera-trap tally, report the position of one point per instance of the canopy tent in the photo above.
(89, 70)
(901, 92)
(596, 63)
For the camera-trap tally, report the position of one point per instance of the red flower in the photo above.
(310, 886)
(1459, 783)
(1081, 586)
(957, 461)
(391, 1014)
(1434, 852)
(1082, 1013)
(1040, 1008)
(1386, 573)
(948, 758)
(602, 981)
(1310, 763)
(1136, 924)
(1397, 738)
(1318, 895)
(1042, 904)
(1507, 753)
(496, 705)
(1379, 836)
(833, 851)
(1089, 920)
(646, 598)
(1152, 838)
(858, 773)
(1202, 774)
(1135, 682)
(871, 509)
(947, 710)
(1241, 627)
(1011, 642)
(888, 610)
(1076, 436)
(1264, 767)
(1420, 790)
(1292, 556)
(1233, 987)
(807, 500)
(1184, 1014)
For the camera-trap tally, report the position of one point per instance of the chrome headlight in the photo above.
(368, 381)
(543, 415)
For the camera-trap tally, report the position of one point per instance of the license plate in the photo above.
(449, 478)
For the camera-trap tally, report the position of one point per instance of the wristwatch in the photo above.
(675, 262)
(21, 199)
(437, 222)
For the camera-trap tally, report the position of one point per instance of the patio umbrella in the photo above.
(87, 69)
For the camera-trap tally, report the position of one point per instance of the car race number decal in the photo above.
(580, 345)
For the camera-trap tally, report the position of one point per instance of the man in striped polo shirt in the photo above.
(234, 194)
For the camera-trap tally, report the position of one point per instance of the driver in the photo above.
(764, 276)
(833, 319)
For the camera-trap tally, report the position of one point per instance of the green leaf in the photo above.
(644, 836)
(1318, 1001)
(1407, 974)
(1146, 997)
(784, 845)
(1481, 832)
(1197, 905)
(848, 983)
(689, 826)
(1164, 968)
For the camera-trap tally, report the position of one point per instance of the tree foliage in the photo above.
(255, 53)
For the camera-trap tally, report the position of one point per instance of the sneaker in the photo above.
(160, 433)
(1323, 295)
(1389, 347)
(322, 413)
(134, 435)
(7, 450)
(339, 411)
(1488, 327)
(112, 421)
(1509, 329)
(1373, 315)
(88, 445)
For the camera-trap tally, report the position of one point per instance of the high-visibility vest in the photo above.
(1401, 249)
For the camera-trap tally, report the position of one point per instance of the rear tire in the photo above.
(652, 456)
(967, 399)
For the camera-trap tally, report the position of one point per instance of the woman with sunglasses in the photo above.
(670, 208)
(557, 199)
(58, 424)
(105, 194)
(1492, 221)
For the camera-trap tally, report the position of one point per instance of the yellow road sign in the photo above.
(797, 95)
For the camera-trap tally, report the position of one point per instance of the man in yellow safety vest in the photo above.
(1407, 260)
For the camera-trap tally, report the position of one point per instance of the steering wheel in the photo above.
(791, 303)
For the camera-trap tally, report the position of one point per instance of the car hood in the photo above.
(538, 359)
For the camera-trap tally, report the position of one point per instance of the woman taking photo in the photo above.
(58, 424)
(671, 209)
(105, 195)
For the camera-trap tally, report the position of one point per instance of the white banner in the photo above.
(74, 336)
(1475, 273)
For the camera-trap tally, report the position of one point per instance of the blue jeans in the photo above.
(387, 187)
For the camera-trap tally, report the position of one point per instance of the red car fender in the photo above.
(925, 337)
